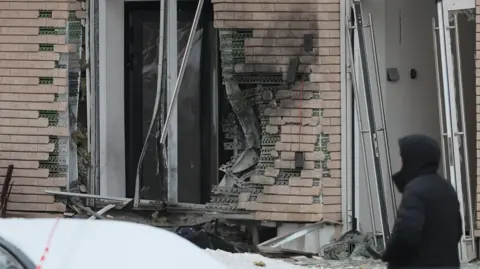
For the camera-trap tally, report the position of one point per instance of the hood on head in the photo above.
(420, 155)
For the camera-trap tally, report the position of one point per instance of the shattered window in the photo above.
(7, 261)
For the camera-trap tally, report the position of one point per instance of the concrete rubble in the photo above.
(255, 261)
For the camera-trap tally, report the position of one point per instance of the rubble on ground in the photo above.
(251, 261)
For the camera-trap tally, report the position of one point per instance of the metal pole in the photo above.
(181, 72)
(371, 123)
(136, 200)
(463, 133)
(171, 148)
(382, 114)
(362, 139)
(440, 103)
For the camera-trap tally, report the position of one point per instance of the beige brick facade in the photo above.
(32, 84)
(306, 116)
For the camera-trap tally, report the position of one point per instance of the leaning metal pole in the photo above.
(439, 91)
(356, 91)
(181, 72)
(136, 200)
(378, 177)
(463, 133)
(382, 114)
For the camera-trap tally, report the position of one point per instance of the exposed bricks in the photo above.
(27, 198)
(38, 156)
(307, 114)
(50, 182)
(26, 172)
(57, 106)
(288, 190)
(271, 172)
(262, 180)
(288, 138)
(20, 164)
(309, 156)
(294, 208)
(23, 139)
(295, 129)
(33, 22)
(27, 147)
(36, 56)
(17, 39)
(56, 131)
(55, 207)
(331, 191)
(298, 217)
(313, 173)
(284, 199)
(23, 214)
(32, 89)
(332, 200)
(29, 81)
(32, 189)
(28, 5)
(331, 182)
(300, 182)
(279, 146)
(281, 164)
(27, 97)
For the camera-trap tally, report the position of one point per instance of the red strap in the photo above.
(47, 246)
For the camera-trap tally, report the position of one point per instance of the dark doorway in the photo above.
(194, 102)
(141, 40)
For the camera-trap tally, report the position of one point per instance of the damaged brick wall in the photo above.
(303, 117)
(34, 79)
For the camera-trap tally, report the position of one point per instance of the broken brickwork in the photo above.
(257, 41)
(37, 75)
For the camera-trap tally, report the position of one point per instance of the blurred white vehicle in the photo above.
(80, 244)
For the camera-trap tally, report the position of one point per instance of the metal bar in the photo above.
(448, 77)
(136, 200)
(362, 139)
(181, 72)
(172, 70)
(382, 115)
(446, 89)
(346, 117)
(92, 97)
(102, 211)
(371, 124)
(280, 240)
(85, 195)
(463, 132)
(440, 103)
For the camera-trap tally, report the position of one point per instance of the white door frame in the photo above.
(111, 110)
(453, 136)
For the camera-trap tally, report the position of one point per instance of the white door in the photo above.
(451, 103)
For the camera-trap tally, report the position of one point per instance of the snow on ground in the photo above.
(256, 261)
(249, 261)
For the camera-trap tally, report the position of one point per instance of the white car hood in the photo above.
(80, 244)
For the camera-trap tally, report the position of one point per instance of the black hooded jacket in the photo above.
(428, 227)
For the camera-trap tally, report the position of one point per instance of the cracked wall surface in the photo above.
(258, 39)
(37, 81)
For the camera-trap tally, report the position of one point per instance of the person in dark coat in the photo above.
(428, 227)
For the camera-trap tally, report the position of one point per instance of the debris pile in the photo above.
(352, 244)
